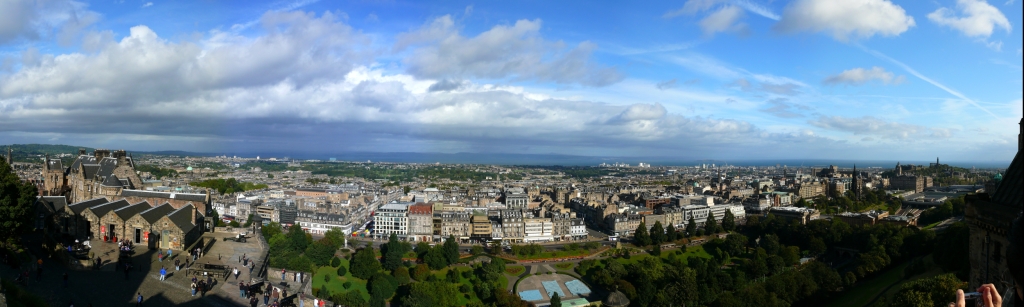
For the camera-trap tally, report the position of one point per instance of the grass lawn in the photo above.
(864, 292)
(463, 301)
(692, 251)
(930, 226)
(556, 254)
(565, 266)
(336, 285)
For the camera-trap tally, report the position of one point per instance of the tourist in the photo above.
(209, 281)
(202, 288)
(282, 274)
(160, 257)
(241, 289)
(253, 301)
(276, 296)
(193, 287)
(236, 273)
(138, 300)
(251, 267)
(266, 298)
(177, 264)
(163, 273)
(168, 253)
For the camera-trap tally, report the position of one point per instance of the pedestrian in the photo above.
(202, 288)
(138, 300)
(266, 298)
(209, 281)
(251, 266)
(168, 253)
(65, 280)
(241, 290)
(276, 295)
(163, 273)
(177, 264)
(193, 287)
(236, 273)
(239, 259)
(282, 274)
(253, 301)
(160, 257)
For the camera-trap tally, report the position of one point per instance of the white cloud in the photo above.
(62, 20)
(845, 20)
(517, 52)
(859, 76)
(976, 18)
(723, 20)
(148, 4)
(692, 7)
(873, 126)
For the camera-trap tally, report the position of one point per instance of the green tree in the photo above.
(658, 234)
(421, 250)
(321, 252)
(556, 301)
(671, 235)
(932, 291)
(452, 276)
(710, 226)
(234, 224)
(393, 253)
(342, 270)
(401, 274)
(640, 236)
(352, 298)
(364, 263)
(729, 221)
(297, 239)
(271, 230)
(248, 221)
(382, 286)
(790, 255)
(16, 199)
(691, 228)
(451, 250)
(435, 258)
(420, 272)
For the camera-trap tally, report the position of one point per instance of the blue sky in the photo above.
(697, 79)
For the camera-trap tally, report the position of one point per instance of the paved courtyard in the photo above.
(107, 287)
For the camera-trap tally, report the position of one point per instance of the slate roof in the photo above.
(151, 215)
(83, 159)
(152, 194)
(91, 170)
(57, 203)
(112, 181)
(183, 218)
(1010, 191)
(107, 166)
(128, 212)
(79, 206)
(101, 210)
(56, 164)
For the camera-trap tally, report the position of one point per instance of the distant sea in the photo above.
(573, 160)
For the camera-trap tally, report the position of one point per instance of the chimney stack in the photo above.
(99, 154)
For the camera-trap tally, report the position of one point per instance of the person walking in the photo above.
(266, 298)
(251, 267)
(163, 273)
(177, 264)
(241, 289)
(160, 257)
(209, 281)
(194, 287)
(168, 253)
(202, 288)
(253, 301)
(236, 273)
(65, 280)
(138, 300)
(276, 296)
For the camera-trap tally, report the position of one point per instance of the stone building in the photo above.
(80, 226)
(119, 218)
(100, 224)
(104, 174)
(420, 222)
(176, 230)
(143, 223)
(989, 216)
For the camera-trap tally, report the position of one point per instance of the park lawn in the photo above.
(864, 292)
(930, 226)
(336, 285)
(556, 254)
(565, 266)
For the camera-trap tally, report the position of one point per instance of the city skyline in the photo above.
(698, 79)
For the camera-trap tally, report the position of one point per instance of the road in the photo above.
(594, 235)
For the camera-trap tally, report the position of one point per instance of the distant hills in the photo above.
(31, 152)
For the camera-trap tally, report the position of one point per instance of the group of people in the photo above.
(125, 245)
(201, 286)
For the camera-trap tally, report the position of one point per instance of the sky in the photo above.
(697, 79)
